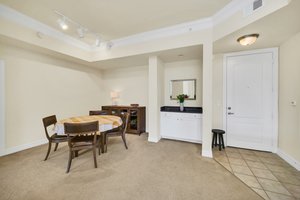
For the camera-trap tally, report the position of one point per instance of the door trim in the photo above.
(2, 108)
(274, 52)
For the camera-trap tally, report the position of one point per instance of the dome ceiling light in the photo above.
(246, 40)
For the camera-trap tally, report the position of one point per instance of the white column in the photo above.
(155, 97)
(2, 108)
(207, 99)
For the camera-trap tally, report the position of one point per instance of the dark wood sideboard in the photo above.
(137, 117)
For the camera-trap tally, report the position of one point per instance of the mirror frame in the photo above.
(170, 89)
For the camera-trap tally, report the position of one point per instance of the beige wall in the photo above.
(36, 86)
(130, 82)
(191, 69)
(217, 91)
(289, 90)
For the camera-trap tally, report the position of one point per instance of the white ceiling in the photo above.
(114, 19)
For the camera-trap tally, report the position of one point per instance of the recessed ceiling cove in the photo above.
(114, 19)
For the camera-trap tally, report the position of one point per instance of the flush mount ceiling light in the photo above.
(248, 39)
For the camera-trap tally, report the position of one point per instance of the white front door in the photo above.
(249, 99)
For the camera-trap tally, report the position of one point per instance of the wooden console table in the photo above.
(137, 117)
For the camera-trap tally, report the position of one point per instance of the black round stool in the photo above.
(218, 133)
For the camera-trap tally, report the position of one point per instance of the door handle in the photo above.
(230, 113)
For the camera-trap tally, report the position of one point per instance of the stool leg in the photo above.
(222, 141)
(216, 139)
(212, 142)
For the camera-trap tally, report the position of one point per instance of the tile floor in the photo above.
(266, 173)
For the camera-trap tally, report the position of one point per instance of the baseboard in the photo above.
(182, 139)
(23, 147)
(207, 153)
(153, 139)
(289, 159)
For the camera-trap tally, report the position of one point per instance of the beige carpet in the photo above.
(168, 170)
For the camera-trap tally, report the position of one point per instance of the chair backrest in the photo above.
(99, 112)
(73, 129)
(125, 118)
(48, 121)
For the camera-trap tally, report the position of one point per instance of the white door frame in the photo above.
(2, 108)
(274, 52)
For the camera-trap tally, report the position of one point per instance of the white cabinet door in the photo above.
(181, 126)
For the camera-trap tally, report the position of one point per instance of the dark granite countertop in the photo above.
(177, 109)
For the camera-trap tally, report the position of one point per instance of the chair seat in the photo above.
(56, 137)
(113, 130)
(84, 139)
(218, 131)
(113, 133)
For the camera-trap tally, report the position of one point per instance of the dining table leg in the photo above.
(103, 143)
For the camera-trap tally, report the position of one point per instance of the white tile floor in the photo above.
(266, 173)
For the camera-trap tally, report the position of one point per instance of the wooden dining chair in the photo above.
(120, 131)
(99, 112)
(82, 136)
(49, 121)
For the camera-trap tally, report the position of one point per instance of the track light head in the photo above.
(81, 32)
(109, 45)
(98, 41)
(62, 23)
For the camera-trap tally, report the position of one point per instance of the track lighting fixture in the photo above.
(82, 32)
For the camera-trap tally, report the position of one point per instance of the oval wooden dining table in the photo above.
(106, 122)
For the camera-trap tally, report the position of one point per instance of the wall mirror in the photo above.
(184, 86)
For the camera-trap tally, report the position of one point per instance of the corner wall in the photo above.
(218, 91)
(38, 85)
(2, 108)
(289, 90)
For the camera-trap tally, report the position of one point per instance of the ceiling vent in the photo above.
(253, 6)
(257, 4)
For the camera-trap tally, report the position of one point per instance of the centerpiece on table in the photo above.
(181, 99)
